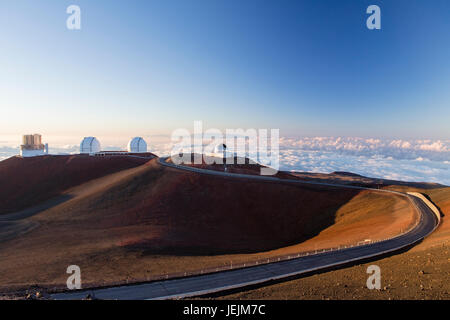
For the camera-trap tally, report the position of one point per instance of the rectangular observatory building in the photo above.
(32, 146)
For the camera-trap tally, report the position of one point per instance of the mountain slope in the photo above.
(25, 182)
(151, 220)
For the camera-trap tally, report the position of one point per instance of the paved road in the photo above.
(237, 278)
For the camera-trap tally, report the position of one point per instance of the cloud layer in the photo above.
(408, 160)
(437, 150)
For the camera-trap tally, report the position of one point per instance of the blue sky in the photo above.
(309, 68)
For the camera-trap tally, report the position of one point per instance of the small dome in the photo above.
(220, 148)
(137, 145)
(90, 145)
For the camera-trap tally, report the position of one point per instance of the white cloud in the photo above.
(408, 160)
(438, 150)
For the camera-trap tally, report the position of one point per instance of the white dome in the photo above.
(220, 148)
(137, 145)
(90, 145)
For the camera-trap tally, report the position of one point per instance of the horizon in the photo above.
(420, 160)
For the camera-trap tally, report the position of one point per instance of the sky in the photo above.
(309, 68)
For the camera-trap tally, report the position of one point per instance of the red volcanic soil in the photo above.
(184, 212)
(151, 219)
(26, 182)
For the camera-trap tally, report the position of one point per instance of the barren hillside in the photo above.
(29, 181)
(151, 220)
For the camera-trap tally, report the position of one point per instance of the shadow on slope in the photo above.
(166, 211)
(25, 182)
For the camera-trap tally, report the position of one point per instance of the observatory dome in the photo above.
(137, 145)
(220, 148)
(90, 145)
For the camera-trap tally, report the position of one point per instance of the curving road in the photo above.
(238, 278)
